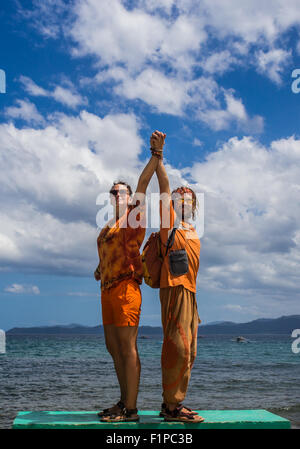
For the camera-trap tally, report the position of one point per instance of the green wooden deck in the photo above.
(214, 419)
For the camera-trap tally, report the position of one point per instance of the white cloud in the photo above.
(115, 34)
(65, 95)
(23, 289)
(50, 181)
(158, 52)
(151, 86)
(44, 16)
(32, 88)
(53, 175)
(200, 98)
(234, 113)
(252, 213)
(219, 62)
(273, 62)
(250, 20)
(24, 110)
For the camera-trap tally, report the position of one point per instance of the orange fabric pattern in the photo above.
(121, 304)
(184, 238)
(119, 250)
(180, 322)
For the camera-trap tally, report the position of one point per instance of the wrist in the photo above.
(157, 152)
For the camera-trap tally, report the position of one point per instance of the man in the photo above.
(179, 313)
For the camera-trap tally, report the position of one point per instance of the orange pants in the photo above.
(180, 322)
(121, 304)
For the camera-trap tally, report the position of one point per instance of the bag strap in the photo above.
(170, 240)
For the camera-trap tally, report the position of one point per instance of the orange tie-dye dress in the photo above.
(121, 269)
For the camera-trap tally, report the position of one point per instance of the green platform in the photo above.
(214, 419)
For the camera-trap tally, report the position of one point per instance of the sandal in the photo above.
(125, 415)
(179, 415)
(111, 410)
(164, 407)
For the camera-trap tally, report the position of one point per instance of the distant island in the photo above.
(282, 325)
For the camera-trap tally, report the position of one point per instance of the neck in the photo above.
(119, 212)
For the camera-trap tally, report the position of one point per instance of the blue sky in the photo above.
(86, 84)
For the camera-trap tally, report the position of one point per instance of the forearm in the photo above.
(147, 174)
(163, 180)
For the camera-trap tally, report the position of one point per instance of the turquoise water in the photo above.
(76, 373)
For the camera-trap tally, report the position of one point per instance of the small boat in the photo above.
(241, 340)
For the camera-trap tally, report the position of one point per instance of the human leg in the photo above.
(127, 337)
(112, 345)
(108, 296)
(126, 312)
(180, 323)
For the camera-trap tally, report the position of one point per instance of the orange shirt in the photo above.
(119, 250)
(184, 238)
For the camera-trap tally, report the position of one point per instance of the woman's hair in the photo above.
(124, 184)
(182, 190)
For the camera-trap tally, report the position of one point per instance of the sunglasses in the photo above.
(184, 200)
(122, 192)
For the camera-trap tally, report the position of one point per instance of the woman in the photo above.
(120, 272)
(179, 313)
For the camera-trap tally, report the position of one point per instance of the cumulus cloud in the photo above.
(252, 231)
(163, 52)
(168, 55)
(52, 176)
(251, 20)
(50, 181)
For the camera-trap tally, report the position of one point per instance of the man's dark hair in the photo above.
(124, 184)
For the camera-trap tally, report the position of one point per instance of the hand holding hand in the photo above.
(157, 140)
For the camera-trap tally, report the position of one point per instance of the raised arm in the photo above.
(166, 215)
(157, 141)
(163, 180)
(146, 175)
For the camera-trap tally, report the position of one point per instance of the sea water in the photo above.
(75, 372)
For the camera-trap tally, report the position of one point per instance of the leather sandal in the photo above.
(179, 415)
(164, 406)
(125, 415)
(109, 411)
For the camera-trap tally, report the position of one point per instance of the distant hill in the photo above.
(282, 325)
